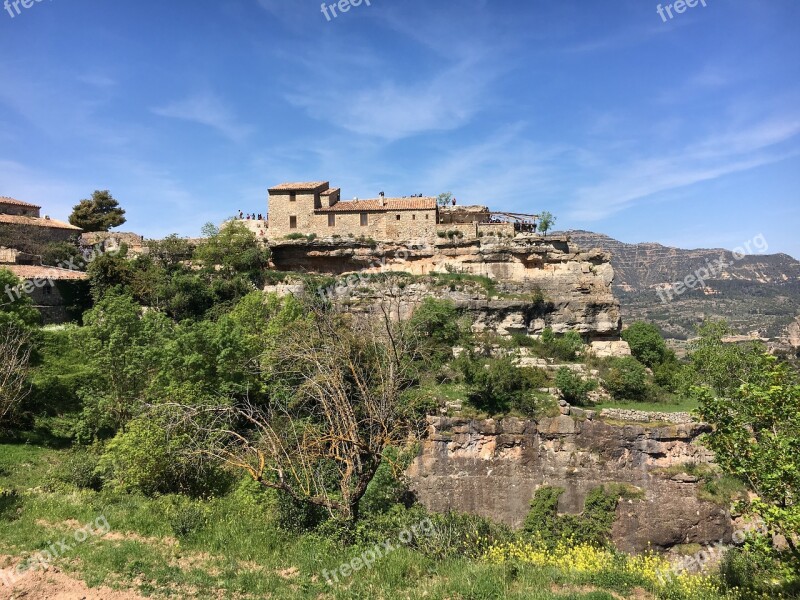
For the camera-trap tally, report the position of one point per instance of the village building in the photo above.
(23, 235)
(314, 208)
(51, 289)
(22, 221)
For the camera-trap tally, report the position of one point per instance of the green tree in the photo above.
(626, 379)
(574, 388)
(722, 366)
(444, 199)
(437, 322)
(124, 348)
(755, 438)
(233, 250)
(100, 213)
(546, 221)
(647, 345)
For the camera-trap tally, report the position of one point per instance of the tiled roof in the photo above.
(37, 222)
(330, 192)
(376, 205)
(7, 200)
(300, 187)
(55, 273)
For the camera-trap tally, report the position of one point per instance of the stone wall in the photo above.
(493, 468)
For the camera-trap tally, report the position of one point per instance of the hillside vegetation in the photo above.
(209, 440)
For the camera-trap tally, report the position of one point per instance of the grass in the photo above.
(681, 405)
(235, 550)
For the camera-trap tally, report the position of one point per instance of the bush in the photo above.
(9, 503)
(437, 322)
(497, 385)
(574, 388)
(565, 347)
(297, 516)
(186, 516)
(148, 458)
(758, 570)
(626, 379)
(647, 345)
(80, 468)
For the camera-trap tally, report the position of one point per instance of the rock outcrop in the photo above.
(493, 468)
(537, 282)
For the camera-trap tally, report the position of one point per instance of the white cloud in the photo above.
(206, 109)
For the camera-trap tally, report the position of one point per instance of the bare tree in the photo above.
(336, 405)
(15, 354)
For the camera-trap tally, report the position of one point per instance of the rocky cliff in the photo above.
(493, 468)
(758, 293)
(531, 282)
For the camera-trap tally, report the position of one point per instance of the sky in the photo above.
(681, 130)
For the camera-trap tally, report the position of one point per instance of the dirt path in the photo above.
(53, 584)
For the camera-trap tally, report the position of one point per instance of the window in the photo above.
(292, 196)
(364, 220)
(413, 217)
(47, 290)
(331, 220)
(292, 222)
(398, 217)
(427, 217)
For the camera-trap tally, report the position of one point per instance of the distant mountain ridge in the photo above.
(758, 293)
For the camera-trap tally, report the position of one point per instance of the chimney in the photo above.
(383, 199)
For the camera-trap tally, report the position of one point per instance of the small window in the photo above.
(427, 217)
(47, 290)
(331, 220)
(292, 196)
(413, 217)
(364, 220)
(292, 222)
(398, 217)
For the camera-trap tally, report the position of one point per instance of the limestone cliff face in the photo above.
(493, 468)
(575, 286)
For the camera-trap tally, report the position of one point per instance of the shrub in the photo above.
(80, 468)
(497, 385)
(647, 345)
(186, 516)
(758, 570)
(626, 379)
(565, 347)
(9, 503)
(437, 322)
(574, 388)
(296, 516)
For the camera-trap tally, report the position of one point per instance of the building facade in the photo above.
(23, 227)
(316, 208)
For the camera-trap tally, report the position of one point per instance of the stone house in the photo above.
(52, 289)
(316, 208)
(23, 227)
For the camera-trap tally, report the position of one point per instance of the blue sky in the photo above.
(685, 132)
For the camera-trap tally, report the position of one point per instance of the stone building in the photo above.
(23, 227)
(316, 208)
(52, 289)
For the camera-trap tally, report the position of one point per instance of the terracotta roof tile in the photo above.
(55, 273)
(307, 186)
(330, 192)
(37, 222)
(7, 200)
(377, 205)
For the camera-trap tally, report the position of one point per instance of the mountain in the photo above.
(759, 294)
